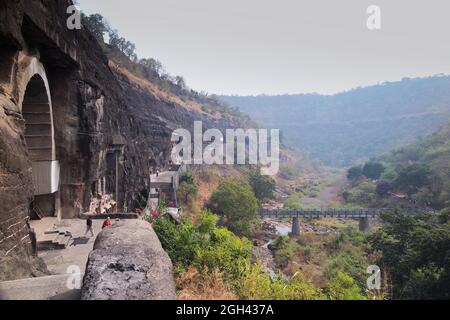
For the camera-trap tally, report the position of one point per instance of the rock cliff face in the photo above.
(64, 109)
(128, 263)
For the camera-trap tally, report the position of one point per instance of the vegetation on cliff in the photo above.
(123, 53)
(417, 174)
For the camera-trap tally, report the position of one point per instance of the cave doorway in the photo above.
(39, 137)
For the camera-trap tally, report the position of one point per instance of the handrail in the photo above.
(368, 212)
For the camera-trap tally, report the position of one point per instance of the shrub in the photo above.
(344, 287)
(283, 250)
(293, 202)
(206, 246)
(255, 284)
(235, 201)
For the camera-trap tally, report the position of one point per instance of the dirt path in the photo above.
(329, 195)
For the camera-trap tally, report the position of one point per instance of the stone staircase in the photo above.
(54, 240)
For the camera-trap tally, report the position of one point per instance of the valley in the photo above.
(97, 141)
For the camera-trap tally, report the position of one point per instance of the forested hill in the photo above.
(343, 128)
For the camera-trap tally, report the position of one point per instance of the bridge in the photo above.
(363, 215)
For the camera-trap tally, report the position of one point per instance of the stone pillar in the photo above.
(364, 224)
(117, 181)
(58, 211)
(295, 226)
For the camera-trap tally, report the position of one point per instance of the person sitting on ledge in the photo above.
(107, 223)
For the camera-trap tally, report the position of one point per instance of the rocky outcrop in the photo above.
(106, 132)
(128, 263)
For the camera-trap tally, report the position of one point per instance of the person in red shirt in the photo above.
(107, 223)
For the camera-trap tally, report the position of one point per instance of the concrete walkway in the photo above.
(77, 252)
(163, 177)
(43, 288)
(65, 265)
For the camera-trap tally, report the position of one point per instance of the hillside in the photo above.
(416, 174)
(343, 128)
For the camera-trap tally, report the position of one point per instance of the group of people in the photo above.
(90, 227)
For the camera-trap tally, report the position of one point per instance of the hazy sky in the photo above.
(284, 46)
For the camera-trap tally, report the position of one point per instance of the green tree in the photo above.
(412, 177)
(186, 193)
(415, 251)
(235, 201)
(373, 170)
(293, 202)
(263, 186)
(354, 172)
(96, 24)
(383, 187)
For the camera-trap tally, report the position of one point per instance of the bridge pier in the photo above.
(364, 224)
(295, 226)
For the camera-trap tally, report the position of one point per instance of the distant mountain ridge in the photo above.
(343, 128)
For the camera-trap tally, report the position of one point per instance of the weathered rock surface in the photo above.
(128, 263)
(93, 107)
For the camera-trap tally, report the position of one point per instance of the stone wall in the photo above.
(128, 263)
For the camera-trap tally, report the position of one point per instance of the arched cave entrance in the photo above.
(39, 136)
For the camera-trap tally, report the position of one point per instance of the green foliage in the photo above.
(383, 187)
(205, 246)
(412, 177)
(96, 24)
(263, 186)
(422, 169)
(363, 194)
(187, 190)
(354, 172)
(415, 250)
(187, 177)
(373, 170)
(351, 263)
(283, 249)
(255, 284)
(208, 248)
(235, 201)
(186, 193)
(293, 202)
(344, 287)
(389, 173)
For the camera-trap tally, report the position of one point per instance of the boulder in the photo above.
(128, 263)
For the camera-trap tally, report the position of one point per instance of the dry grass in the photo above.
(195, 286)
(157, 92)
(208, 180)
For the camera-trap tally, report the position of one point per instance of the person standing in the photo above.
(89, 227)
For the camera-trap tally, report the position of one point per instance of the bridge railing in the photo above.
(344, 213)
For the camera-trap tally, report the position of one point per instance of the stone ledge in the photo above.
(128, 263)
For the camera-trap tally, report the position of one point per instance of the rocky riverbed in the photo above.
(270, 230)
